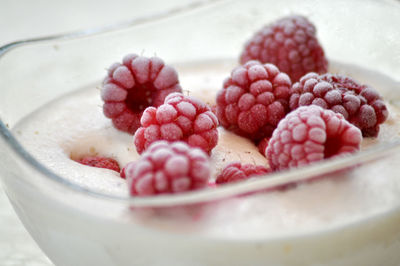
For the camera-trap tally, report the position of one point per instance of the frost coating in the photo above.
(311, 134)
(168, 168)
(237, 171)
(359, 104)
(253, 100)
(289, 43)
(132, 86)
(179, 118)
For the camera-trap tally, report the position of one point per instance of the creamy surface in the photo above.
(74, 125)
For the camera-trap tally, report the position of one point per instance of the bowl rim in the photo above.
(197, 196)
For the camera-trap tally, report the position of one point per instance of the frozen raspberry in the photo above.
(310, 134)
(361, 105)
(291, 44)
(179, 118)
(100, 162)
(253, 100)
(122, 173)
(168, 168)
(134, 85)
(237, 172)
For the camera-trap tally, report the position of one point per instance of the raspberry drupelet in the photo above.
(132, 86)
(253, 100)
(262, 145)
(168, 168)
(179, 118)
(100, 162)
(291, 44)
(361, 105)
(310, 134)
(235, 171)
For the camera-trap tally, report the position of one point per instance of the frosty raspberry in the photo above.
(360, 104)
(100, 162)
(310, 134)
(253, 100)
(179, 118)
(291, 44)
(132, 86)
(168, 168)
(235, 171)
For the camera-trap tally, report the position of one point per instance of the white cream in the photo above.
(74, 125)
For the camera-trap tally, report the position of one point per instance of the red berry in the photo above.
(291, 44)
(361, 105)
(122, 173)
(262, 145)
(100, 162)
(237, 172)
(168, 168)
(253, 100)
(134, 85)
(311, 134)
(179, 118)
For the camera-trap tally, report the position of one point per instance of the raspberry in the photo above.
(237, 172)
(361, 105)
(253, 100)
(168, 168)
(310, 134)
(262, 145)
(291, 44)
(122, 173)
(100, 162)
(132, 86)
(179, 118)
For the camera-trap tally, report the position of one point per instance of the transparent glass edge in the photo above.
(194, 196)
(116, 26)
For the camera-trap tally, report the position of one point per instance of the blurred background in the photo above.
(24, 19)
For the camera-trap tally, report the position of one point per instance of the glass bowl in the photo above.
(230, 225)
